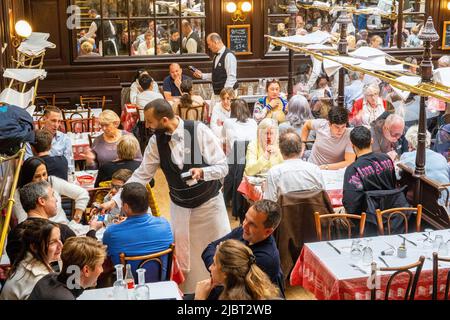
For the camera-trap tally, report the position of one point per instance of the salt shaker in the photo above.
(401, 250)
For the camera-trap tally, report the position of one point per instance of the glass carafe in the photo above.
(120, 291)
(141, 291)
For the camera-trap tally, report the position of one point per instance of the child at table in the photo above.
(119, 178)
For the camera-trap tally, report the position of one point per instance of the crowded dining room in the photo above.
(224, 150)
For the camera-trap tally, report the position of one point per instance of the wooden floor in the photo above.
(162, 196)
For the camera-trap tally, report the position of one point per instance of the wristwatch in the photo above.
(326, 167)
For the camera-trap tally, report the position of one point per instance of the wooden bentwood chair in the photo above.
(341, 219)
(412, 278)
(398, 211)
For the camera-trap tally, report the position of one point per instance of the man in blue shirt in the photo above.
(141, 233)
(172, 83)
(61, 144)
(256, 231)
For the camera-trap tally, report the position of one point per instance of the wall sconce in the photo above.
(239, 11)
(448, 5)
(23, 31)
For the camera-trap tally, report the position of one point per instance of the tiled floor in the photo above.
(162, 195)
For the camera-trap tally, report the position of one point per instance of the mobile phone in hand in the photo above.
(192, 69)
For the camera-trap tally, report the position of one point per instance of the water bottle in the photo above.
(129, 279)
(141, 291)
(120, 291)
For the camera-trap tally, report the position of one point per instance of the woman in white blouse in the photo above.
(241, 126)
(34, 170)
(41, 245)
(221, 112)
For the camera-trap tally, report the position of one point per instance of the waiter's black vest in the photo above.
(219, 74)
(104, 30)
(180, 193)
(193, 35)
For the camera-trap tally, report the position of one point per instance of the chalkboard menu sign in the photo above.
(239, 39)
(446, 36)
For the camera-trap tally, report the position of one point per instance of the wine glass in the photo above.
(367, 253)
(355, 251)
(443, 248)
(428, 242)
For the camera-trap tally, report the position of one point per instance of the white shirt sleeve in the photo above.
(77, 193)
(191, 46)
(212, 153)
(147, 169)
(206, 76)
(231, 68)
(91, 32)
(271, 187)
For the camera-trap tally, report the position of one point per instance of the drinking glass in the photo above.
(367, 255)
(443, 248)
(428, 242)
(438, 240)
(355, 251)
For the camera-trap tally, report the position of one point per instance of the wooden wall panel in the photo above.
(49, 16)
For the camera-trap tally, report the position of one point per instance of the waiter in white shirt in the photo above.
(224, 71)
(198, 212)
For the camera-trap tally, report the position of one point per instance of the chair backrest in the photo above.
(384, 199)
(410, 290)
(186, 112)
(436, 287)
(42, 101)
(154, 264)
(236, 165)
(338, 221)
(297, 223)
(93, 101)
(402, 212)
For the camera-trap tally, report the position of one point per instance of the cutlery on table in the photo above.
(331, 245)
(390, 245)
(404, 238)
(354, 266)
(384, 261)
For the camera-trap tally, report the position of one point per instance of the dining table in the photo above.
(162, 290)
(339, 269)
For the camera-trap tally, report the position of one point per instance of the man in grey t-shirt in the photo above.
(332, 149)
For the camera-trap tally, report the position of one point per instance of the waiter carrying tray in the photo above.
(194, 164)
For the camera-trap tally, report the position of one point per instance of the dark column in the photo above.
(292, 10)
(343, 20)
(428, 35)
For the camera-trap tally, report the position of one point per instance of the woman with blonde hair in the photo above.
(263, 153)
(127, 148)
(235, 268)
(104, 147)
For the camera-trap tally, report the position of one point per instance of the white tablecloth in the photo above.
(339, 264)
(162, 290)
(334, 179)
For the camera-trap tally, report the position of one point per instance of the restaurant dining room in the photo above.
(225, 150)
